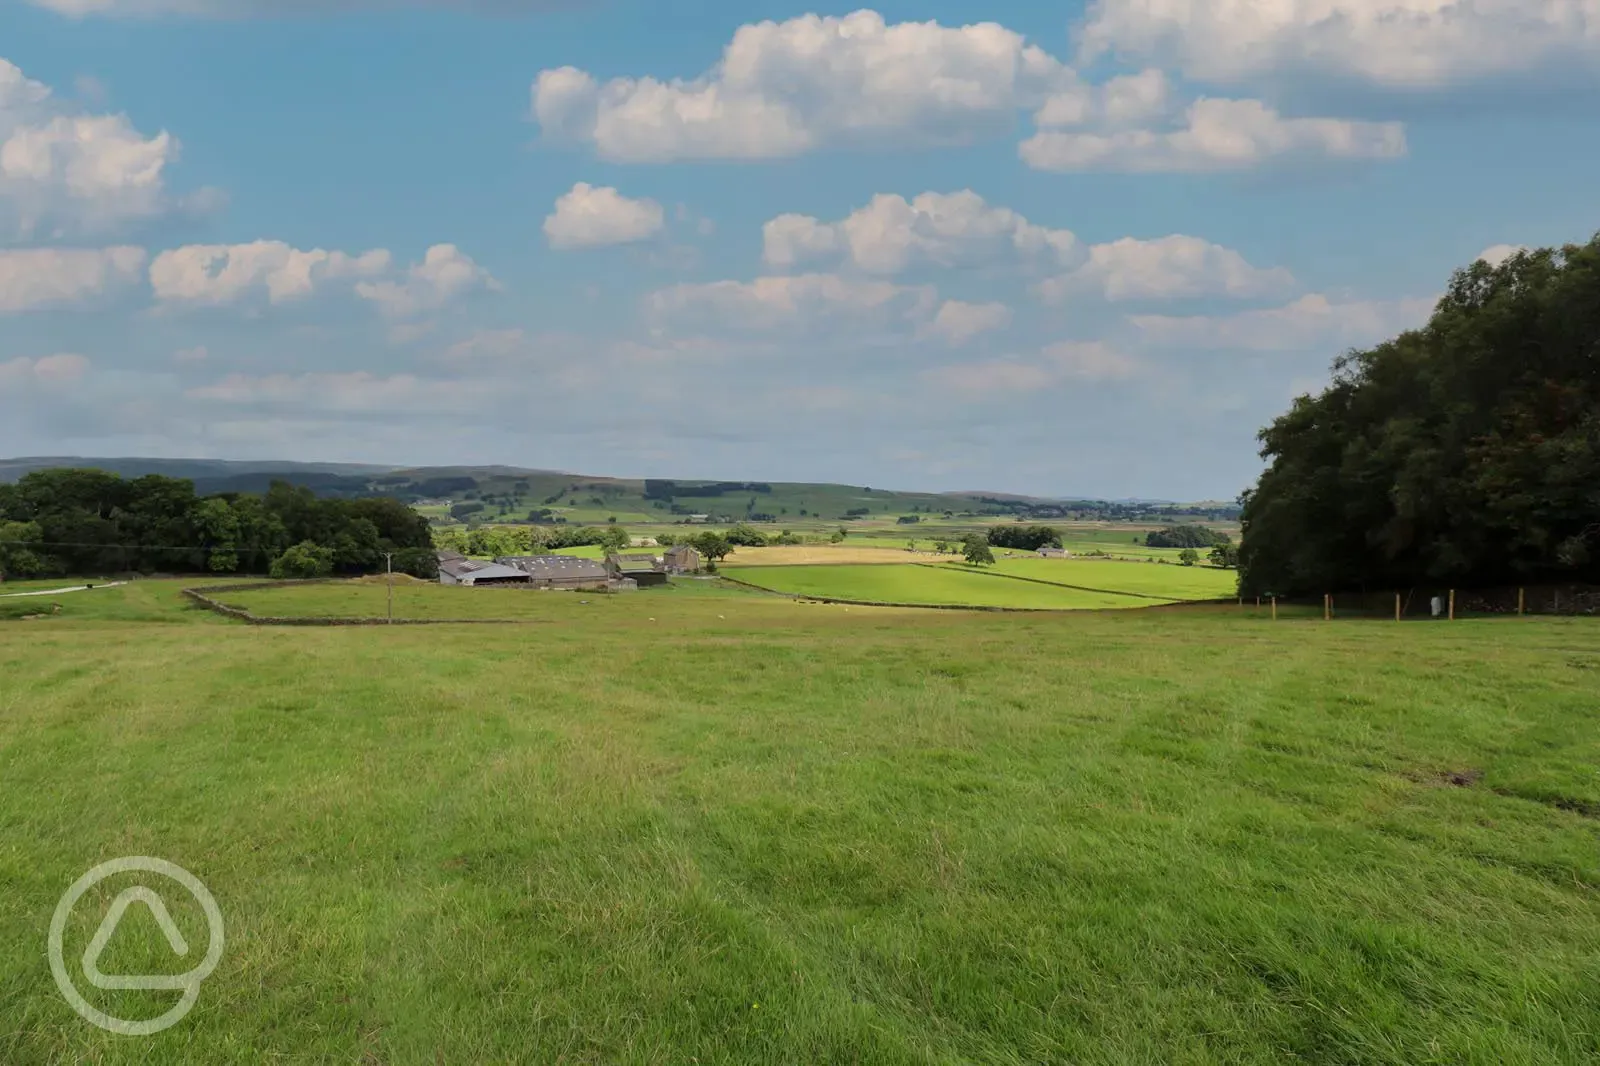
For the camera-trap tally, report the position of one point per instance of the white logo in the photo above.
(187, 983)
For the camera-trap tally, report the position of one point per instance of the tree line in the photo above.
(81, 521)
(501, 541)
(1185, 536)
(1466, 452)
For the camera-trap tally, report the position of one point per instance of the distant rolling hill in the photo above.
(509, 493)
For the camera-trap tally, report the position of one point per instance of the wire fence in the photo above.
(1436, 602)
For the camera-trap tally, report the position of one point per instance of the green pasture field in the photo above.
(345, 599)
(37, 584)
(583, 551)
(761, 831)
(911, 583)
(1149, 579)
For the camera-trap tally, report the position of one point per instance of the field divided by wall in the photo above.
(930, 585)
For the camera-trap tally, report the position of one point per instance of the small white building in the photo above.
(1054, 553)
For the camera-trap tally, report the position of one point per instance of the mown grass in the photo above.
(1148, 579)
(933, 585)
(776, 832)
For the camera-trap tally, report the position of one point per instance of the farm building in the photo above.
(557, 571)
(681, 559)
(642, 570)
(1054, 553)
(459, 571)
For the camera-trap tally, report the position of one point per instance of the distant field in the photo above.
(1151, 579)
(927, 585)
(583, 551)
(828, 554)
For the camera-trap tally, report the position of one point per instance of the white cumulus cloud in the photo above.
(1167, 268)
(1499, 253)
(1312, 321)
(892, 234)
(274, 273)
(1214, 134)
(36, 278)
(593, 217)
(785, 301)
(217, 275)
(445, 274)
(784, 88)
(958, 321)
(62, 172)
(1396, 43)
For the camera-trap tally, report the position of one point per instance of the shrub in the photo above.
(305, 560)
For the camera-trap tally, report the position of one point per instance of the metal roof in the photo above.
(478, 570)
(627, 563)
(554, 567)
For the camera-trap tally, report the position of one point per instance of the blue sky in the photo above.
(1055, 249)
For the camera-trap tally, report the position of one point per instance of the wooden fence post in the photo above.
(1274, 608)
(1522, 600)
(1452, 605)
(1327, 606)
(1397, 607)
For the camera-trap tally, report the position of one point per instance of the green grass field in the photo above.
(433, 602)
(1171, 582)
(934, 585)
(585, 551)
(738, 829)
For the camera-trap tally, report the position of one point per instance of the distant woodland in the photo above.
(71, 521)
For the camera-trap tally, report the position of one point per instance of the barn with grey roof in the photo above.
(557, 571)
(642, 570)
(475, 572)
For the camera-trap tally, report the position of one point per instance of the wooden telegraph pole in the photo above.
(388, 562)
(1274, 608)
(1452, 605)
(1397, 607)
(1522, 600)
(1327, 606)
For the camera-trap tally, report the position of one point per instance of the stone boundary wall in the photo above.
(806, 598)
(1058, 585)
(200, 596)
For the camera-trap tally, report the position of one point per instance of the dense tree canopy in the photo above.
(1027, 538)
(72, 521)
(1184, 536)
(1465, 452)
(495, 541)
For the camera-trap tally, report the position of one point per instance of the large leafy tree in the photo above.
(1466, 452)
